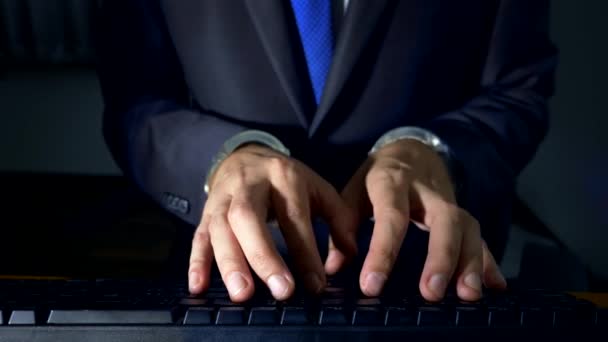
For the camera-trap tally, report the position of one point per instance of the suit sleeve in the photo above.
(158, 140)
(497, 133)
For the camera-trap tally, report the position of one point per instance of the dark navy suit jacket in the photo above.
(179, 77)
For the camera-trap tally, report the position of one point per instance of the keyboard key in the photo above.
(117, 303)
(295, 316)
(258, 301)
(222, 302)
(194, 302)
(263, 316)
(296, 302)
(585, 313)
(504, 318)
(199, 316)
(401, 317)
(333, 301)
(334, 316)
(22, 317)
(571, 317)
(435, 316)
(217, 284)
(333, 292)
(498, 300)
(230, 316)
(117, 317)
(368, 302)
(471, 317)
(217, 295)
(451, 298)
(537, 317)
(391, 301)
(368, 316)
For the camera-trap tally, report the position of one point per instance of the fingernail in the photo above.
(314, 282)
(473, 280)
(438, 283)
(278, 286)
(236, 283)
(195, 280)
(374, 283)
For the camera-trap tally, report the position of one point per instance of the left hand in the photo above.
(408, 181)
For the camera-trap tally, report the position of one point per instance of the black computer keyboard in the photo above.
(63, 310)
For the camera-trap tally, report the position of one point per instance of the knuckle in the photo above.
(216, 224)
(296, 213)
(394, 172)
(281, 167)
(455, 216)
(381, 175)
(445, 254)
(393, 215)
(239, 182)
(200, 238)
(450, 252)
(240, 211)
(198, 255)
(237, 178)
(466, 220)
(384, 256)
(262, 261)
(196, 265)
(450, 210)
(198, 261)
(228, 263)
(476, 253)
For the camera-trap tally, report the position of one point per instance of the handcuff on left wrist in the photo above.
(429, 139)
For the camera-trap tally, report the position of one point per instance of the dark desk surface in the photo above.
(598, 298)
(84, 226)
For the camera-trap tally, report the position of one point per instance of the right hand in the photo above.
(253, 182)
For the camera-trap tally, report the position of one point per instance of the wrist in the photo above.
(244, 140)
(420, 141)
(408, 150)
(412, 133)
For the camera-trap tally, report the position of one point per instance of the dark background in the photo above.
(50, 122)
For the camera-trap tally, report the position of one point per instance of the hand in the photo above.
(250, 184)
(408, 181)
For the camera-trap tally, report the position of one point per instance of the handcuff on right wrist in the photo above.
(238, 140)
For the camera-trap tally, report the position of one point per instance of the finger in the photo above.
(355, 194)
(335, 258)
(355, 197)
(201, 258)
(469, 284)
(445, 221)
(492, 276)
(230, 259)
(247, 217)
(342, 221)
(291, 203)
(388, 194)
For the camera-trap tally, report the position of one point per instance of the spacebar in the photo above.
(119, 317)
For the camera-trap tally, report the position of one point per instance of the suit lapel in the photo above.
(271, 21)
(357, 28)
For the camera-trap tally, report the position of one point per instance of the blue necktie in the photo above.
(313, 19)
